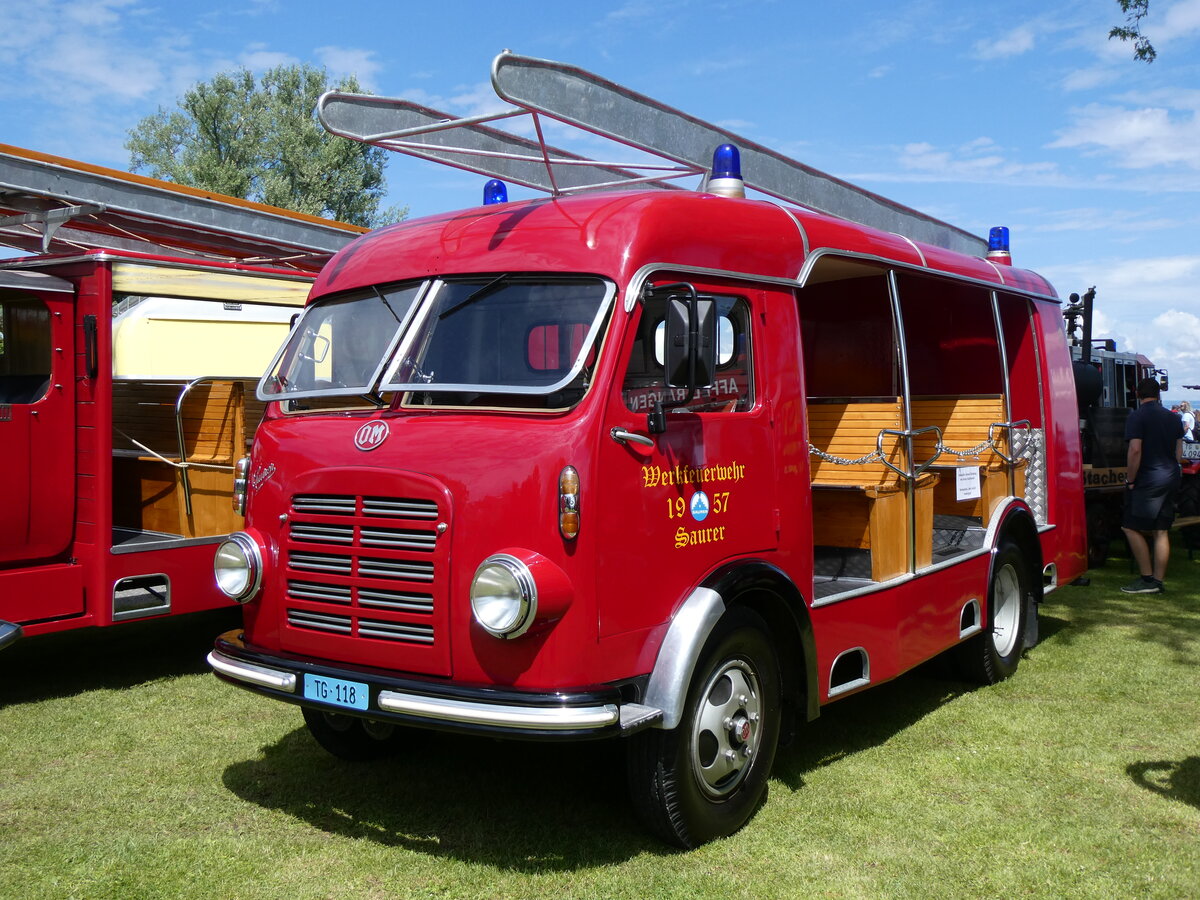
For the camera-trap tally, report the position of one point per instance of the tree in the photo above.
(1135, 11)
(262, 142)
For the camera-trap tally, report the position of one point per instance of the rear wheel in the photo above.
(705, 778)
(349, 737)
(993, 654)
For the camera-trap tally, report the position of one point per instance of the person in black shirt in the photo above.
(1155, 438)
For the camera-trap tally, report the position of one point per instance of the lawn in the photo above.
(128, 771)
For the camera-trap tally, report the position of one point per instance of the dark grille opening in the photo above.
(319, 621)
(320, 562)
(399, 600)
(400, 507)
(395, 631)
(311, 590)
(322, 534)
(323, 504)
(407, 569)
(399, 538)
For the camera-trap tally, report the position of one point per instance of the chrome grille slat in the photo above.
(422, 603)
(395, 631)
(325, 504)
(328, 593)
(400, 507)
(319, 621)
(320, 562)
(398, 538)
(323, 534)
(407, 569)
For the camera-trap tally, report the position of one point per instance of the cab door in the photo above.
(676, 505)
(37, 424)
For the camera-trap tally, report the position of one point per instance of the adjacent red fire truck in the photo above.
(666, 464)
(130, 343)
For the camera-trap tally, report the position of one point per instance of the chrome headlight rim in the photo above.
(525, 602)
(238, 544)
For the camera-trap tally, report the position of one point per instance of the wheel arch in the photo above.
(1016, 523)
(769, 593)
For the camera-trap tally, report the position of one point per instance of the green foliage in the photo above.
(261, 141)
(128, 770)
(1135, 11)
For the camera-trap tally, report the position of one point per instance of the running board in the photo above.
(9, 633)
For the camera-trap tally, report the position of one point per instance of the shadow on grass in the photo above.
(534, 807)
(66, 663)
(1177, 780)
(527, 807)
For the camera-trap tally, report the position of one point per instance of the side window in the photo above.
(24, 350)
(732, 387)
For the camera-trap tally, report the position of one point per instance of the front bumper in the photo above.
(591, 713)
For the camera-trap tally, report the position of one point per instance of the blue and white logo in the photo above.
(699, 506)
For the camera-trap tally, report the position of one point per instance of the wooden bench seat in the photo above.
(865, 505)
(965, 422)
(148, 492)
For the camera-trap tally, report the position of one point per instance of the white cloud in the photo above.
(342, 62)
(1135, 138)
(978, 160)
(1014, 43)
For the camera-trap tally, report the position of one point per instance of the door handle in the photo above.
(627, 437)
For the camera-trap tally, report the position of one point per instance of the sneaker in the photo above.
(1143, 585)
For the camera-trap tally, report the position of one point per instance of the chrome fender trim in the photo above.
(252, 674)
(679, 653)
(9, 633)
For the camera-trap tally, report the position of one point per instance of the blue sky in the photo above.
(1016, 113)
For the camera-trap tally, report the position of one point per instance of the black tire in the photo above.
(705, 778)
(994, 653)
(352, 738)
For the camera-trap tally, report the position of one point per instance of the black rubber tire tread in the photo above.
(977, 658)
(662, 787)
(346, 737)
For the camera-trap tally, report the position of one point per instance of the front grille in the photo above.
(342, 562)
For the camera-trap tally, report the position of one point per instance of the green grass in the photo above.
(128, 771)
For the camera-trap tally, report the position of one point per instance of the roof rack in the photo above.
(541, 88)
(49, 204)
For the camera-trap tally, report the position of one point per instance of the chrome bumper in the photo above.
(455, 712)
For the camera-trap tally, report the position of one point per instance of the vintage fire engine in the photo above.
(642, 461)
(130, 343)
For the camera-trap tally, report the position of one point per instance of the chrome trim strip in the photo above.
(865, 589)
(252, 674)
(633, 292)
(9, 633)
(1049, 578)
(466, 712)
(680, 650)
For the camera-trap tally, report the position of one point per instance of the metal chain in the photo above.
(873, 456)
(974, 451)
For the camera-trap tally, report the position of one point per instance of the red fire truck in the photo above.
(666, 464)
(130, 342)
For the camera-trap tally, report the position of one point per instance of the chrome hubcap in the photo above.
(727, 729)
(1006, 612)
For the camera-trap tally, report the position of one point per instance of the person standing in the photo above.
(1189, 421)
(1155, 453)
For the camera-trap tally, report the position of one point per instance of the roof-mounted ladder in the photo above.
(53, 205)
(541, 88)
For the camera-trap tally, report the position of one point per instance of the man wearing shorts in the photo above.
(1155, 438)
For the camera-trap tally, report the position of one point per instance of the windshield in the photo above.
(339, 347)
(493, 340)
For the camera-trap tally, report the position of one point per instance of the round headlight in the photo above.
(504, 596)
(238, 567)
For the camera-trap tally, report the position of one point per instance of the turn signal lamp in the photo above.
(998, 246)
(495, 192)
(726, 178)
(568, 503)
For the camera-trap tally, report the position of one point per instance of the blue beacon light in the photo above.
(998, 246)
(494, 192)
(726, 178)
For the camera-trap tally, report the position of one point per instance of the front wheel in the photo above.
(993, 654)
(352, 738)
(705, 778)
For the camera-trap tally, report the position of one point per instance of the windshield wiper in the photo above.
(487, 290)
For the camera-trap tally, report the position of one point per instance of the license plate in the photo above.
(1191, 450)
(336, 692)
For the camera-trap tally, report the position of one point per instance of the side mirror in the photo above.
(691, 342)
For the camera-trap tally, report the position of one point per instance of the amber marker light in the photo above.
(568, 503)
